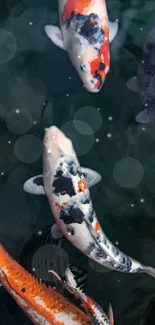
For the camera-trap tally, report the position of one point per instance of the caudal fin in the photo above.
(111, 314)
(149, 270)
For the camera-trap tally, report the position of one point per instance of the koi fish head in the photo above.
(88, 48)
(58, 155)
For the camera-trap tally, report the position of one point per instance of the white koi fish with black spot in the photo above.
(67, 191)
(84, 34)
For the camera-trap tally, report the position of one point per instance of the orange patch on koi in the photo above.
(15, 278)
(82, 186)
(97, 227)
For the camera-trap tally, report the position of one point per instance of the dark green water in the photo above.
(34, 72)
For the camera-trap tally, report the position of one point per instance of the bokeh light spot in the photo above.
(128, 172)
(28, 148)
(49, 257)
(18, 121)
(82, 143)
(89, 115)
(8, 46)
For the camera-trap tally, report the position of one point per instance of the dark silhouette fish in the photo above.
(144, 83)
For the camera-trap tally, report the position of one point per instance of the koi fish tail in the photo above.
(149, 270)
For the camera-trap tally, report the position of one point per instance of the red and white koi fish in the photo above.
(84, 34)
(42, 304)
(92, 308)
(67, 191)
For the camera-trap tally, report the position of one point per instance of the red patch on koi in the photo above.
(82, 186)
(90, 303)
(77, 6)
(58, 206)
(103, 57)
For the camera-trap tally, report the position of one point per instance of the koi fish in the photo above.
(144, 82)
(92, 308)
(42, 304)
(69, 198)
(85, 33)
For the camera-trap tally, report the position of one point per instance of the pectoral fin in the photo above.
(56, 233)
(92, 177)
(54, 34)
(143, 117)
(79, 275)
(113, 29)
(34, 185)
(132, 84)
(73, 280)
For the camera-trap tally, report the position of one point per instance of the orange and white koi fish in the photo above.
(85, 33)
(42, 304)
(92, 308)
(67, 191)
